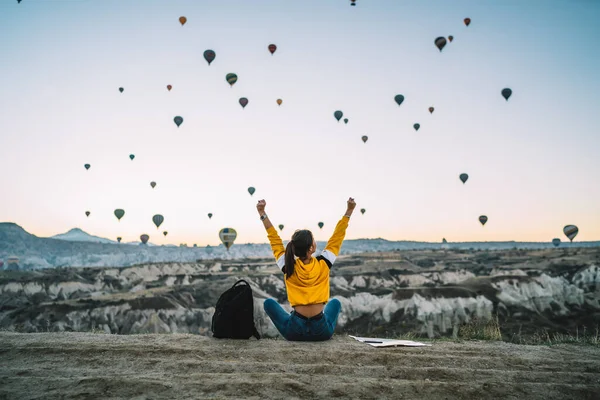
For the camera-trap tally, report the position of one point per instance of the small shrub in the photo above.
(480, 329)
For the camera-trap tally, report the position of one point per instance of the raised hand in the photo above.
(261, 206)
(351, 204)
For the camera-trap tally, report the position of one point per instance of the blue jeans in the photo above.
(293, 327)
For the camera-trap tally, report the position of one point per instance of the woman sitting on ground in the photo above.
(306, 281)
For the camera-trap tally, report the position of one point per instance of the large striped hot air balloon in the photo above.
(571, 231)
(227, 236)
(231, 78)
(158, 220)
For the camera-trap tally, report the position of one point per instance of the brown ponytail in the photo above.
(298, 246)
(289, 259)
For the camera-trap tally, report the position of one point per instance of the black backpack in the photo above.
(234, 314)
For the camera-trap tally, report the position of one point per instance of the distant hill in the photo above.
(78, 248)
(77, 235)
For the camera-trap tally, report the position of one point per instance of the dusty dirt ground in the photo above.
(99, 366)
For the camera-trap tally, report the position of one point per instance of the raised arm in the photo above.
(334, 245)
(274, 239)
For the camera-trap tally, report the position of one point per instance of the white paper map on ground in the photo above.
(379, 342)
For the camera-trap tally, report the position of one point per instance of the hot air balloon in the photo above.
(338, 115)
(87, 166)
(119, 239)
(153, 184)
(398, 99)
(463, 177)
(131, 157)
(227, 236)
(416, 126)
(440, 42)
(556, 242)
(169, 87)
(210, 215)
(121, 89)
(231, 78)
(243, 102)
(144, 238)
(209, 56)
(272, 48)
(158, 220)
(345, 120)
(279, 101)
(450, 38)
(182, 20)
(119, 213)
(506, 93)
(321, 225)
(178, 120)
(362, 211)
(467, 21)
(165, 233)
(87, 213)
(280, 227)
(571, 231)
(353, 2)
(251, 190)
(483, 219)
(365, 138)
(431, 109)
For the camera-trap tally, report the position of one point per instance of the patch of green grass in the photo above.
(581, 336)
(480, 329)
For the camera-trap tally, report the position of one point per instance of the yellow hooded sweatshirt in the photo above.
(309, 283)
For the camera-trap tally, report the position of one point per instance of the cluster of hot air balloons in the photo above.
(228, 235)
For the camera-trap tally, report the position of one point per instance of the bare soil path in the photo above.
(94, 366)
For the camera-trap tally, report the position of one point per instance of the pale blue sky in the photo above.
(533, 161)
